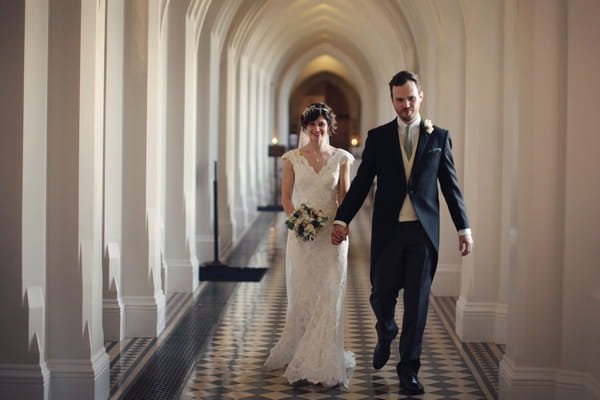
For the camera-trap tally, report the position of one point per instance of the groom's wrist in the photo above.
(338, 222)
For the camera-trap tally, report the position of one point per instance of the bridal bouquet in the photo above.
(306, 222)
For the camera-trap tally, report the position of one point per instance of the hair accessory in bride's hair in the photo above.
(314, 110)
(320, 107)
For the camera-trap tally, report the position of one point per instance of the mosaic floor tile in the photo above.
(231, 367)
(241, 322)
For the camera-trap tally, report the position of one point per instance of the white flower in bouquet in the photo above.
(306, 222)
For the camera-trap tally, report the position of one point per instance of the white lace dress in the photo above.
(312, 342)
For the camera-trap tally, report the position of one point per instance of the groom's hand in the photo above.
(465, 244)
(338, 234)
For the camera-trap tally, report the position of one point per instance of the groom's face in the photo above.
(407, 101)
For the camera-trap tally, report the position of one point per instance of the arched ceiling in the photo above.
(278, 32)
(364, 42)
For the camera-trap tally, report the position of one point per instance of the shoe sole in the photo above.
(410, 392)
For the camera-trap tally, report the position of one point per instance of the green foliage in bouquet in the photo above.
(306, 222)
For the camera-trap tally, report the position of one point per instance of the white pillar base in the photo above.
(112, 319)
(76, 379)
(481, 322)
(205, 247)
(26, 382)
(181, 275)
(447, 280)
(534, 383)
(143, 316)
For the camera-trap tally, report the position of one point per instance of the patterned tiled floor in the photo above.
(231, 365)
(229, 362)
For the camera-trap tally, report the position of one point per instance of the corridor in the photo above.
(216, 347)
(126, 125)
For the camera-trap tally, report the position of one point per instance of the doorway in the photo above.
(331, 89)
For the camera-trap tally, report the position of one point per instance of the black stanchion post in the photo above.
(216, 219)
(215, 270)
(276, 180)
(275, 151)
(215, 261)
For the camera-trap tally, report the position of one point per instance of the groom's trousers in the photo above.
(404, 263)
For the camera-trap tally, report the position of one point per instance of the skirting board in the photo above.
(80, 378)
(533, 383)
(205, 247)
(24, 381)
(111, 319)
(181, 275)
(143, 316)
(481, 322)
(447, 280)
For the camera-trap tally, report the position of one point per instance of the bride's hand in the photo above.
(338, 234)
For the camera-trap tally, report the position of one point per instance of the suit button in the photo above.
(411, 192)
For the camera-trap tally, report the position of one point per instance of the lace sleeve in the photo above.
(290, 155)
(345, 156)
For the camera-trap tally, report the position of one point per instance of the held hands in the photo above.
(338, 234)
(465, 244)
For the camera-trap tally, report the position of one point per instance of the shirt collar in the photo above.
(402, 125)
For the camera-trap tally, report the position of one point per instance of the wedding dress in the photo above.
(312, 342)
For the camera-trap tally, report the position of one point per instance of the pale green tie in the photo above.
(408, 143)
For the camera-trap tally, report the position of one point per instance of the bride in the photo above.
(317, 175)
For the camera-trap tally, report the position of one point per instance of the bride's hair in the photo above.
(316, 110)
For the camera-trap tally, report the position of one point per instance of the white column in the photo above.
(225, 139)
(113, 156)
(190, 141)
(553, 348)
(262, 141)
(207, 93)
(580, 372)
(256, 152)
(242, 201)
(266, 130)
(181, 264)
(509, 170)
(480, 314)
(442, 70)
(23, 38)
(235, 140)
(535, 301)
(142, 296)
(75, 354)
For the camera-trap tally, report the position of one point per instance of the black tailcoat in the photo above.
(382, 159)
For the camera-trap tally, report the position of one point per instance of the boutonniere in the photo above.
(428, 126)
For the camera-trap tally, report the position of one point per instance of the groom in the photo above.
(409, 156)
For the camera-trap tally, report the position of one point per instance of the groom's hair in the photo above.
(402, 77)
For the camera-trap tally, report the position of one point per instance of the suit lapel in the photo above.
(395, 147)
(423, 140)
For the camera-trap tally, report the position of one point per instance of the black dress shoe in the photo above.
(410, 384)
(381, 355)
